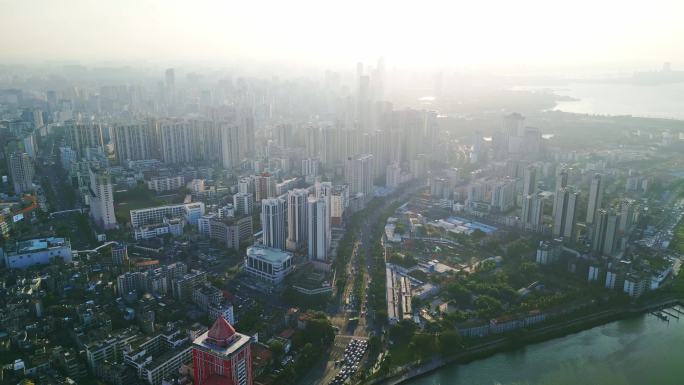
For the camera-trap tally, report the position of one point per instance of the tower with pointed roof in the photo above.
(222, 356)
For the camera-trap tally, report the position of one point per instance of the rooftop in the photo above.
(39, 244)
(268, 254)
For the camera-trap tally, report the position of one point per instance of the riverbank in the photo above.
(503, 344)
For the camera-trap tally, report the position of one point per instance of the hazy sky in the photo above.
(410, 33)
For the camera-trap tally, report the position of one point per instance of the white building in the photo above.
(153, 215)
(21, 171)
(268, 264)
(41, 251)
(273, 223)
(102, 199)
(318, 228)
(310, 167)
(359, 175)
(172, 226)
(296, 219)
(231, 231)
(393, 175)
(243, 203)
(167, 183)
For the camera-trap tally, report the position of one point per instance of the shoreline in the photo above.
(507, 343)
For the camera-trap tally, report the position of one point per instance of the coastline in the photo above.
(507, 343)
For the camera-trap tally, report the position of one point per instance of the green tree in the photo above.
(423, 344)
(278, 351)
(449, 342)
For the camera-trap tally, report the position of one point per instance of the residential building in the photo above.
(21, 171)
(318, 228)
(191, 212)
(243, 203)
(566, 211)
(273, 223)
(102, 199)
(595, 198)
(297, 219)
(166, 183)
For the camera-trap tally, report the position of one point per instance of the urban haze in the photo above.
(327, 193)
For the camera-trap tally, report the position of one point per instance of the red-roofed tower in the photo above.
(221, 356)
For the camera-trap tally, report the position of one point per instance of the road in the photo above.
(361, 254)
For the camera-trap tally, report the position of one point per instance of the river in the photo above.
(653, 101)
(640, 350)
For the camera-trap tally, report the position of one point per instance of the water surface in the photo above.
(641, 350)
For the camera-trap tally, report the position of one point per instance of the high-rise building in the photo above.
(561, 181)
(296, 219)
(82, 135)
(503, 194)
(273, 223)
(21, 171)
(221, 356)
(102, 199)
(606, 238)
(135, 140)
(595, 197)
(310, 167)
(532, 212)
(230, 150)
(393, 175)
(313, 141)
(176, 141)
(264, 186)
(243, 203)
(170, 78)
(359, 175)
(565, 219)
(318, 224)
(282, 135)
(529, 180)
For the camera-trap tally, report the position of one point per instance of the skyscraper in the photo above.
(565, 219)
(176, 141)
(561, 181)
(230, 151)
(296, 219)
(393, 175)
(606, 237)
(102, 199)
(273, 223)
(222, 356)
(312, 141)
(532, 211)
(170, 78)
(264, 186)
(82, 135)
(21, 171)
(529, 180)
(595, 197)
(359, 174)
(318, 228)
(243, 203)
(134, 140)
(503, 194)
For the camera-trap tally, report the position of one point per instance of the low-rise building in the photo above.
(39, 251)
(168, 226)
(160, 356)
(268, 264)
(230, 231)
(166, 183)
